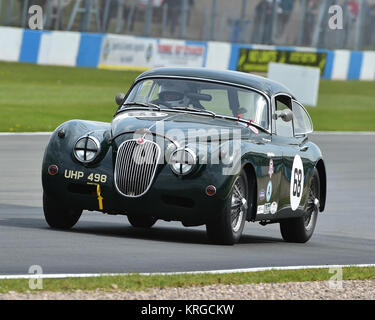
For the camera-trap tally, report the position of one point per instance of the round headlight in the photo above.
(86, 149)
(183, 161)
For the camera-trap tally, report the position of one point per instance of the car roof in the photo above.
(262, 84)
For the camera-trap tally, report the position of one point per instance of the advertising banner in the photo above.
(125, 52)
(174, 53)
(253, 60)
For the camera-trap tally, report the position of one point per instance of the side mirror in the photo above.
(286, 115)
(120, 98)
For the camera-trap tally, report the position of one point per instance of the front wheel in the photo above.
(301, 229)
(58, 216)
(142, 221)
(228, 227)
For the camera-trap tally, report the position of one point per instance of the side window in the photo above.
(302, 120)
(254, 106)
(284, 129)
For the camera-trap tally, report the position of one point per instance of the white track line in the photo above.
(344, 133)
(89, 275)
(25, 133)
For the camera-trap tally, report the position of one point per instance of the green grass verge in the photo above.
(135, 282)
(39, 98)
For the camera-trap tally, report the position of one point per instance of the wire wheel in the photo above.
(312, 208)
(238, 204)
(228, 225)
(300, 229)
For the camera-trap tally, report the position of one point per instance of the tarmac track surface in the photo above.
(345, 232)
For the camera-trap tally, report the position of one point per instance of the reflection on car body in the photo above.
(204, 147)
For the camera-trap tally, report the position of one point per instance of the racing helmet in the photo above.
(174, 94)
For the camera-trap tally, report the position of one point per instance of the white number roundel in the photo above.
(296, 183)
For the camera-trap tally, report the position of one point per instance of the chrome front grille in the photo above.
(135, 168)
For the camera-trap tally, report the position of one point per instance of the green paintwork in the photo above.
(198, 208)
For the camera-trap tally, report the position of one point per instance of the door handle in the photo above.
(304, 148)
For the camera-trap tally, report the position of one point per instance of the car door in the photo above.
(268, 159)
(302, 167)
(293, 155)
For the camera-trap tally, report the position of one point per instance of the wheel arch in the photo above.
(320, 166)
(253, 187)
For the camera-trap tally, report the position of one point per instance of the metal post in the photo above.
(344, 32)
(274, 22)
(9, 13)
(223, 21)
(205, 25)
(48, 14)
(24, 13)
(85, 22)
(213, 19)
(358, 40)
(164, 19)
(243, 22)
(243, 9)
(59, 15)
(319, 26)
(96, 10)
(73, 15)
(262, 28)
(184, 13)
(148, 19)
(130, 18)
(301, 22)
(120, 16)
(105, 15)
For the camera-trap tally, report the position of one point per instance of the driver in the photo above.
(173, 95)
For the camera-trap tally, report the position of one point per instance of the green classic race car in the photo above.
(204, 147)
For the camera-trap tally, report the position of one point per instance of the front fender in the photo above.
(59, 150)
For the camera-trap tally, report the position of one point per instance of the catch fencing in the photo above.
(111, 51)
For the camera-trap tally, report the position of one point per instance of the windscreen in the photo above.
(219, 98)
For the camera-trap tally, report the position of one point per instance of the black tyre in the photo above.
(142, 221)
(301, 229)
(228, 227)
(57, 215)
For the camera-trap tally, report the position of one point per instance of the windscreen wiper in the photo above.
(195, 110)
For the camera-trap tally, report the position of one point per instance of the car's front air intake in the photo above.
(135, 168)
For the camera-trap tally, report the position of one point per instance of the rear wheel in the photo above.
(228, 227)
(301, 229)
(142, 221)
(57, 215)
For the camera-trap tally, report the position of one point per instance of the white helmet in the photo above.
(174, 94)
